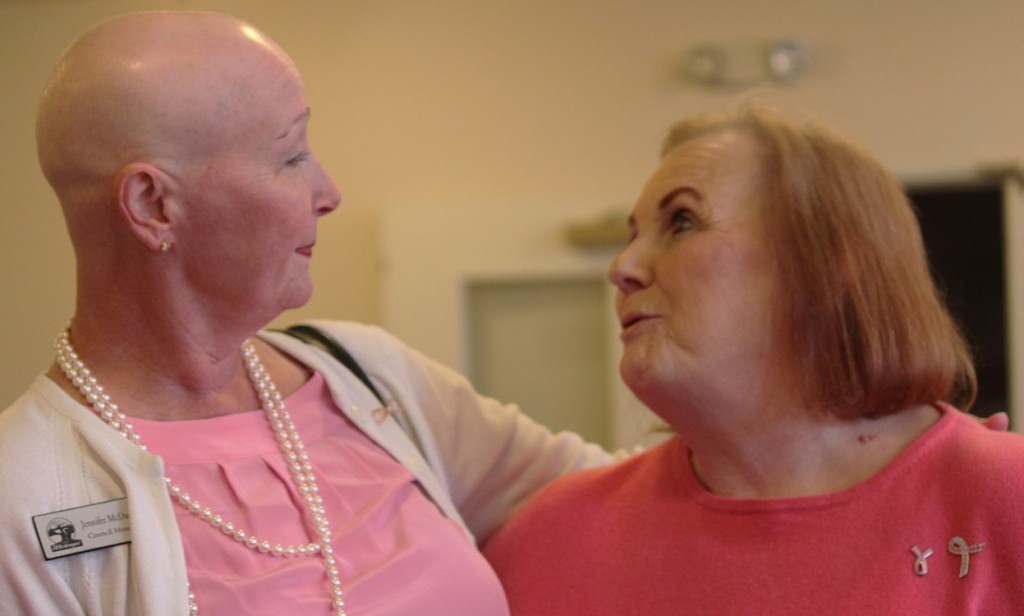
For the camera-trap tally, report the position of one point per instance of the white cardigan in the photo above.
(476, 458)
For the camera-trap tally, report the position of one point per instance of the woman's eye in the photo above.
(681, 220)
(298, 159)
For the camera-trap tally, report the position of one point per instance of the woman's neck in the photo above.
(151, 377)
(802, 453)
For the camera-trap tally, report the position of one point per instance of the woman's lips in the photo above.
(633, 323)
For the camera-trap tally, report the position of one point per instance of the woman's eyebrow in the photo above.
(302, 116)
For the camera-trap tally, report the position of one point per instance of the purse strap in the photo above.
(315, 337)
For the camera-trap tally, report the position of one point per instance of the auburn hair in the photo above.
(857, 311)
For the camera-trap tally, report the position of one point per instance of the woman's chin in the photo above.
(641, 376)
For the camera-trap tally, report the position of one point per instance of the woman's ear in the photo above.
(144, 196)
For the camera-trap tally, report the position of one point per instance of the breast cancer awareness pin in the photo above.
(958, 547)
(921, 563)
(380, 414)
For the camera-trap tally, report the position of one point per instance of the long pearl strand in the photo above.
(288, 439)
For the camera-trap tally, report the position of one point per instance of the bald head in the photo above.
(160, 87)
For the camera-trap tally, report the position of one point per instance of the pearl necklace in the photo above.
(287, 436)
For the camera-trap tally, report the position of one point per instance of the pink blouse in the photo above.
(397, 553)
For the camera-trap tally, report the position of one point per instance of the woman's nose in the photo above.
(627, 272)
(327, 198)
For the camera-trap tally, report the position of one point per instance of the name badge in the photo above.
(83, 529)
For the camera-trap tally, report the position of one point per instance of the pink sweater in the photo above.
(644, 537)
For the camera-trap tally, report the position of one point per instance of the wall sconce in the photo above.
(607, 230)
(743, 65)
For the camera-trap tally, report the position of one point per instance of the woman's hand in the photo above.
(1000, 422)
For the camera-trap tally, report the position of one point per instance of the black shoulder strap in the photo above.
(315, 337)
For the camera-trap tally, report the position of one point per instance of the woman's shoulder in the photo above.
(41, 444)
(33, 416)
(355, 333)
(372, 346)
(978, 443)
(573, 514)
(586, 495)
(974, 457)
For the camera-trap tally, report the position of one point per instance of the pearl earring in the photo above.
(165, 246)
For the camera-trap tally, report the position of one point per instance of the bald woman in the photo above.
(177, 457)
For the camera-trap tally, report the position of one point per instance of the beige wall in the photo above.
(455, 104)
